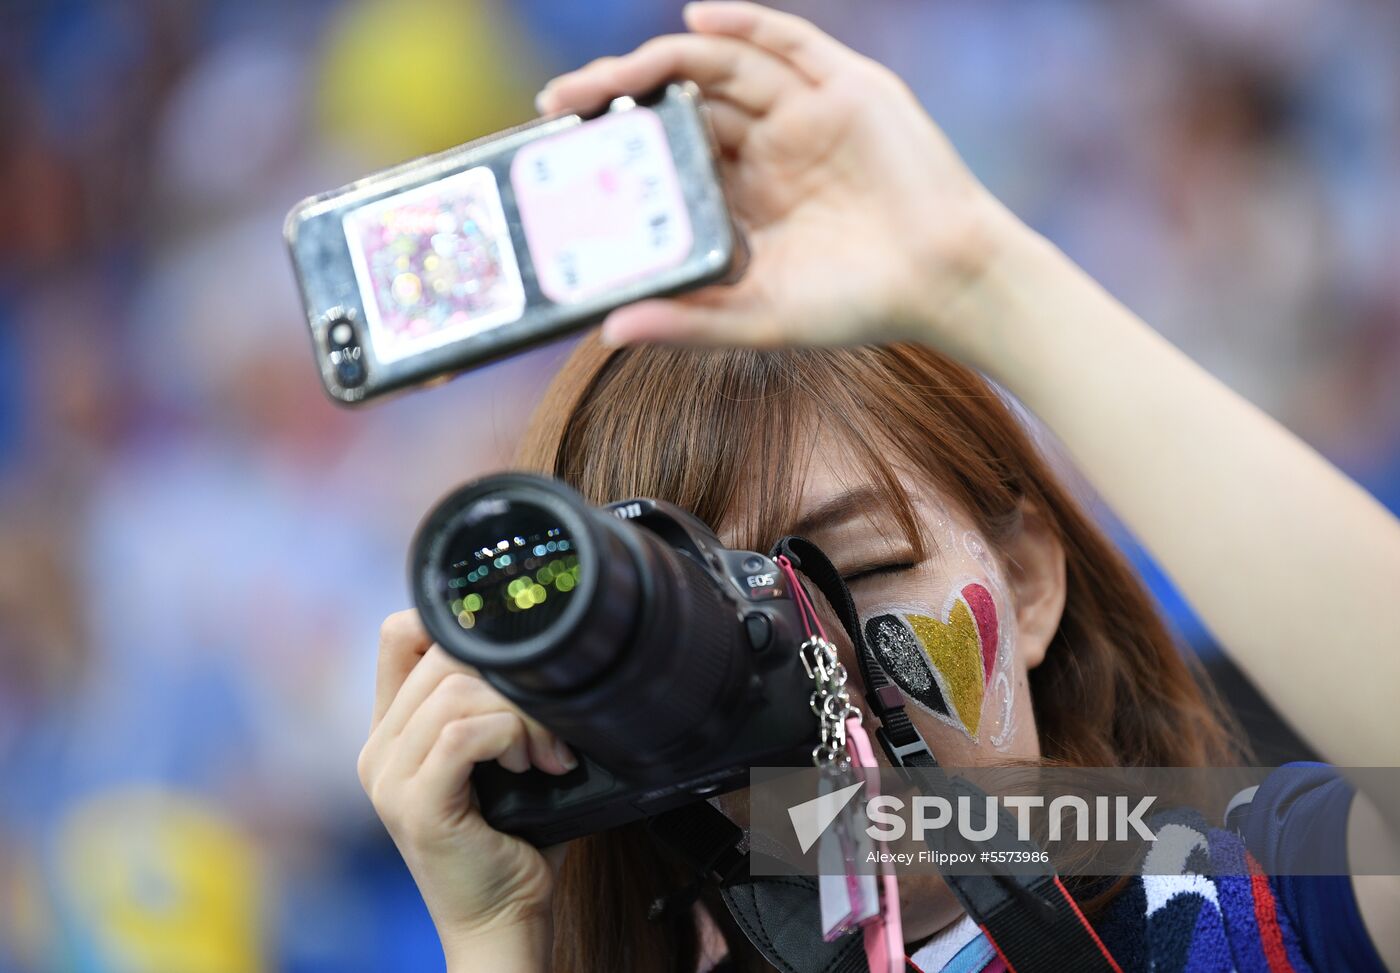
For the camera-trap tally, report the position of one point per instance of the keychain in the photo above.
(849, 898)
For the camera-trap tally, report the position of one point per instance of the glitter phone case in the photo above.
(456, 259)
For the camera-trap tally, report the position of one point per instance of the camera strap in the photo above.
(897, 736)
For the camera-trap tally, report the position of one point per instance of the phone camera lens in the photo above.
(349, 371)
(343, 343)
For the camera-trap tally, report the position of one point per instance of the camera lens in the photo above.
(536, 619)
(509, 570)
(344, 346)
(349, 372)
(597, 627)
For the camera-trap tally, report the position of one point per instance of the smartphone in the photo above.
(456, 259)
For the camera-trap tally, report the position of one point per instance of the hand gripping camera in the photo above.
(668, 662)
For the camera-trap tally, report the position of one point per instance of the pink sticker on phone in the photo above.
(435, 264)
(601, 205)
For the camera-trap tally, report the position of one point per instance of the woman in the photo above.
(919, 482)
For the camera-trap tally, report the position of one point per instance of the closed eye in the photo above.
(877, 570)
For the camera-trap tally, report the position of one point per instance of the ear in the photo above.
(1035, 564)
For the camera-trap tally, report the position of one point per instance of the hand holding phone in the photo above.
(460, 258)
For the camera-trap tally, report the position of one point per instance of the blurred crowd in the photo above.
(196, 547)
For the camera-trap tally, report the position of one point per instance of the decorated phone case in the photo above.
(460, 258)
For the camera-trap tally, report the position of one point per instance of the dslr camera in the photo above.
(669, 663)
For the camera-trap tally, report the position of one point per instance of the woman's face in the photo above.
(958, 630)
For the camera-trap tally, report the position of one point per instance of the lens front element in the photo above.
(509, 570)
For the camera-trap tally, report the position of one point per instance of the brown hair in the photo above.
(698, 428)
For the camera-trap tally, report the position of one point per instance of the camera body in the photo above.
(463, 257)
(671, 666)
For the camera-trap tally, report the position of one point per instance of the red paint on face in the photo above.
(984, 613)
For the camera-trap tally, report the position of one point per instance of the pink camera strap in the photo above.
(881, 927)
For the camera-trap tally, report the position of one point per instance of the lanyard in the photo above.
(850, 898)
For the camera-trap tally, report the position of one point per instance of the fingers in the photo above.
(569, 92)
(691, 321)
(432, 668)
(460, 746)
(446, 689)
(402, 642)
(460, 696)
(724, 67)
(457, 696)
(731, 125)
(814, 53)
(431, 723)
(437, 692)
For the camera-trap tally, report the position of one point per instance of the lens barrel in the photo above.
(623, 645)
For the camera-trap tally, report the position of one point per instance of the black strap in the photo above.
(1049, 936)
(704, 838)
(1031, 919)
(901, 742)
(707, 842)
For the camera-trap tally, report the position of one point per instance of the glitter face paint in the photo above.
(1002, 729)
(1001, 737)
(945, 664)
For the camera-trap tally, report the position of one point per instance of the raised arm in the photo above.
(1295, 568)
(866, 226)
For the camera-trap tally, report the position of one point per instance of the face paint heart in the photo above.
(984, 613)
(900, 654)
(936, 662)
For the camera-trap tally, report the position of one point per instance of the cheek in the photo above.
(953, 658)
(944, 660)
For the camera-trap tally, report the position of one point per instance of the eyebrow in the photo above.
(838, 509)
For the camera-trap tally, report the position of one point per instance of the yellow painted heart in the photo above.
(946, 665)
(956, 653)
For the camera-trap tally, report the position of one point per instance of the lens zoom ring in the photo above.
(693, 680)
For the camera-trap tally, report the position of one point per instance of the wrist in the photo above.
(522, 947)
(973, 285)
(1032, 320)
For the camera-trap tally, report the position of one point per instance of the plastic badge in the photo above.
(884, 932)
(848, 898)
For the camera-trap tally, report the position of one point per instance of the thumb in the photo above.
(690, 320)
